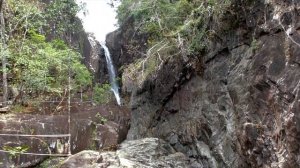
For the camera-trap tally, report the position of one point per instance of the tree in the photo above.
(40, 66)
(61, 18)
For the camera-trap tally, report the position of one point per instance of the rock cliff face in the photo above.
(94, 59)
(125, 43)
(243, 110)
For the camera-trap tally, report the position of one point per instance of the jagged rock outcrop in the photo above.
(94, 59)
(243, 110)
(149, 152)
(125, 43)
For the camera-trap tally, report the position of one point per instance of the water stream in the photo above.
(112, 74)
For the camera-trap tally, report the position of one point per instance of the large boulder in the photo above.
(149, 152)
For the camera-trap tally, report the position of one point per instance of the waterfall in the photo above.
(112, 74)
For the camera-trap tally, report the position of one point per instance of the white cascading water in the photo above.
(112, 74)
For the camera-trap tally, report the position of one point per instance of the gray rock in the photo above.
(126, 45)
(94, 59)
(143, 153)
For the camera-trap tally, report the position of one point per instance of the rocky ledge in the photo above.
(92, 127)
(146, 153)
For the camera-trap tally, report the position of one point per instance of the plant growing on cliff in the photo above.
(15, 152)
(156, 17)
(102, 93)
(167, 20)
(254, 45)
(53, 162)
(102, 120)
(45, 67)
(154, 59)
(180, 27)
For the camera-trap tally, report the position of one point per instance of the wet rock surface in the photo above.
(94, 59)
(146, 153)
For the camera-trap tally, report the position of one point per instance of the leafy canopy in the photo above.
(39, 64)
(45, 66)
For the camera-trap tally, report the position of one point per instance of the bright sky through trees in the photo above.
(100, 17)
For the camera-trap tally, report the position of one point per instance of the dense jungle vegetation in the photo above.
(36, 49)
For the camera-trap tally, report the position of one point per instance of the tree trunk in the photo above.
(3, 53)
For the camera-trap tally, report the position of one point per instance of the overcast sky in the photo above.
(100, 18)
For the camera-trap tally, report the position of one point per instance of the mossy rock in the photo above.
(54, 162)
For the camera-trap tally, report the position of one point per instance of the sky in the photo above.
(100, 18)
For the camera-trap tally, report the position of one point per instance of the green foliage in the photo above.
(40, 63)
(51, 162)
(17, 108)
(35, 37)
(144, 68)
(61, 14)
(24, 15)
(56, 18)
(59, 44)
(102, 120)
(255, 45)
(165, 19)
(83, 76)
(44, 67)
(15, 152)
(154, 17)
(102, 93)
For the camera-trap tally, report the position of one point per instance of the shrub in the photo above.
(102, 93)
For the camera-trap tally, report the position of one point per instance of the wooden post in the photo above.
(3, 53)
